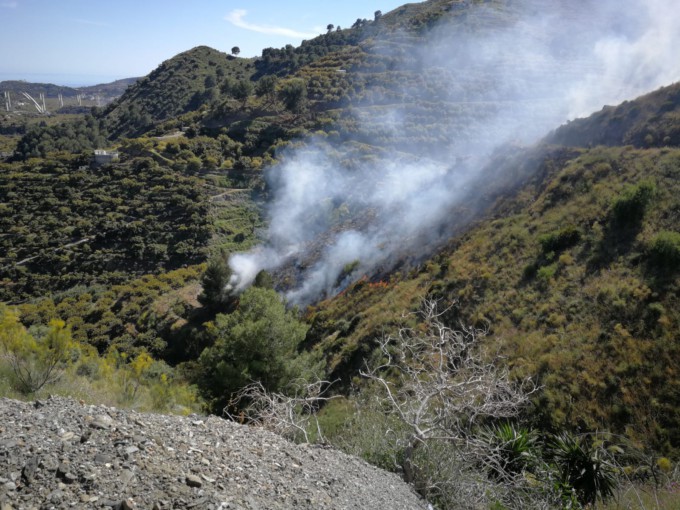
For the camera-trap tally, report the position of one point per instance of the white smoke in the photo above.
(335, 216)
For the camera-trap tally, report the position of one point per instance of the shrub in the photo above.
(255, 343)
(586, 467)
(630, 207)
(560, 240)
(664, 250)
(36, 361)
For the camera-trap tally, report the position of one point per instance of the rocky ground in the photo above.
(59, 453)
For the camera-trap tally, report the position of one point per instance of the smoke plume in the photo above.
(485, 77)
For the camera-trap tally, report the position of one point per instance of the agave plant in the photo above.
(585, 466)
(512, 450)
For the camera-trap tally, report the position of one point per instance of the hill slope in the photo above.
(179, 85)
(576, 274)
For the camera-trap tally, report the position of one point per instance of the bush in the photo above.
(36, 361)
(255, 343)
(630, 207)
(560, 240)
(664, 250)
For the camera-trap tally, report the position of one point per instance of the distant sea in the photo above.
(66, 80)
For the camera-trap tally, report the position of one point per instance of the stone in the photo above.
(29, 469)
(102, 458)
(85, 436)
(126, 476)
(193, 481)
(102, 422)
(126, 504)
(130, 450)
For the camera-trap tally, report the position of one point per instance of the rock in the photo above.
(126, 476)
(193, 481)
(29, 469)
(85, 436)
(126, 504)
(130, 450)
(102, 421)
(102, 458)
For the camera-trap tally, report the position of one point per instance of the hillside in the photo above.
(179, 85)
(575, 274)
(59, 452)
(68, 223)
(283, 219)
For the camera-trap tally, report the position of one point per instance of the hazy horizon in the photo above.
(63, 80)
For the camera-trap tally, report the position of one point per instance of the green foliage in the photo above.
(515, 449)
(562, 239)
(585, 466)
(82, 134)
(73, 224)
(36, 360)
(256, 342)
(266, 87)
(216, 293)
(631, 205)
(264, 280)
(242, 90)
(664, 250)
(178, 86)
(293, 94)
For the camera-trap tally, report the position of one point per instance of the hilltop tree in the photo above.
(377, 15)
(235, 51)
(330, 27)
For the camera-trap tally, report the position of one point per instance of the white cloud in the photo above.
(236, 16)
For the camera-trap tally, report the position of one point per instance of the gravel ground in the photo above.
(59, 453)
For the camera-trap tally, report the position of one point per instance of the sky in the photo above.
(84, 42)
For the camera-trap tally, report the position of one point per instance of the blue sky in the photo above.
(79, 42)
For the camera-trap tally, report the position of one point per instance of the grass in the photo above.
(642, 497)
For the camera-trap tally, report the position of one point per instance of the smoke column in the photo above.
(492, 75)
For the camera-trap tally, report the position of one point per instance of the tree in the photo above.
(293, 94)
(377, 15)
(441, 385)
(255, 343)
(216, 294)
(266, 87)
(242, 91)
(210, 81)
(235, 51)
(330, 27)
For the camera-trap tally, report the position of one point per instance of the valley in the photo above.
(273, 224)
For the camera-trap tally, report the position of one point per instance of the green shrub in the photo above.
(630, 207)
(664, 250)
(560, 240)
(36, 360)
(256, 342)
